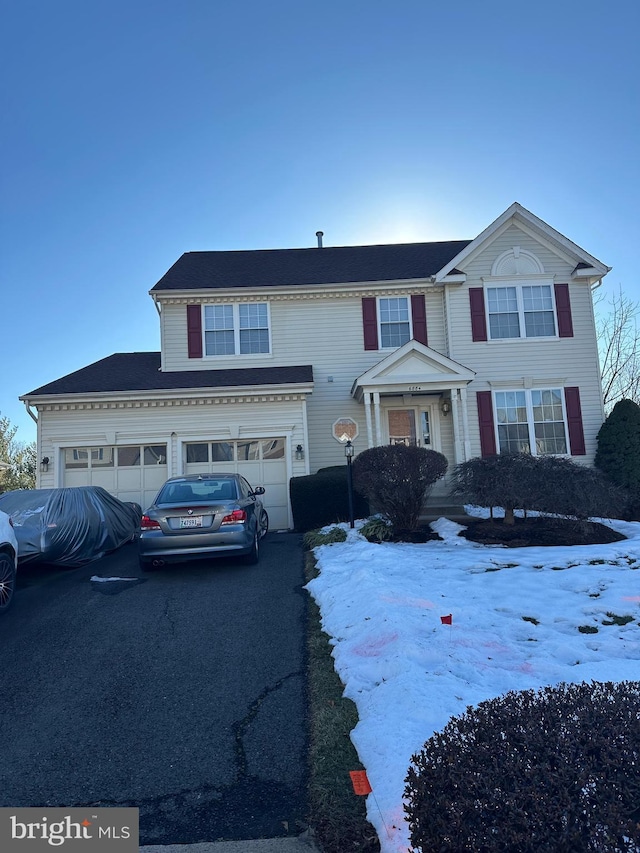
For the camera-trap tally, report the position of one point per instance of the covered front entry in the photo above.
(417, 396)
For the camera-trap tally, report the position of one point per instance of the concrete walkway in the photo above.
(303, 844)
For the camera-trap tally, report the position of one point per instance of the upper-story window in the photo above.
(521, 311)
(395, 322)
(236, 329)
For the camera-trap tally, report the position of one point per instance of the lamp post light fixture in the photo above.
(348, 452)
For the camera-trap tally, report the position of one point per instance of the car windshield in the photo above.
(198, 491)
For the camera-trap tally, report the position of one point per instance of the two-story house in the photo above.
(270, 359)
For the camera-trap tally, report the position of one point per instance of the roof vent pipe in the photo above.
(319, 235)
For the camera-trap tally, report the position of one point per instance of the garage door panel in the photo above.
(260, 461)
(131, 473)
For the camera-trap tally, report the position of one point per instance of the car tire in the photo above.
(7, 581)
(254, 554)
(264, 524)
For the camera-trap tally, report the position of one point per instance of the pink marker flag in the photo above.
(447, 620)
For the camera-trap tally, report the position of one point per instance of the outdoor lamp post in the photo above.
(348, 452)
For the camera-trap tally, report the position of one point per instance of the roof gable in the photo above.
(413, 364)
(519, 215)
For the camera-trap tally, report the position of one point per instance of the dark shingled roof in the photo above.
(140, 371)
(329, 265)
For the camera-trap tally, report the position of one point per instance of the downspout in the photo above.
(29, 412)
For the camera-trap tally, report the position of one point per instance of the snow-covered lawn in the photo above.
(517, 615)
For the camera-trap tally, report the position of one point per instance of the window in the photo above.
(531, 421)
(236, 329)
(521, 311)
(109, 457)
(395, 326)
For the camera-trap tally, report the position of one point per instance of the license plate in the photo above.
(192, 521)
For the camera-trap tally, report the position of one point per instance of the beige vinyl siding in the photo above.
(561, 361)
(135, 423)
(325, 332)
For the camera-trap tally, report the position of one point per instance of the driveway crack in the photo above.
(242, 726)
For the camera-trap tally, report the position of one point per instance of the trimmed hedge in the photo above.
(322, 498)
(397, 479)
(532, 772)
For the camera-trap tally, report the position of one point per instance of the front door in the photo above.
(412, 426)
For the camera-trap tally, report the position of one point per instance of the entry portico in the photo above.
(407, 394)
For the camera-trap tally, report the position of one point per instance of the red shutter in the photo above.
(574, 421)
(563, 311)
(370, 322)
(485, 420)
(419, 319)
(194, 331)
(478, 318)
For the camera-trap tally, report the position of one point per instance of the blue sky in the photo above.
(135, 131)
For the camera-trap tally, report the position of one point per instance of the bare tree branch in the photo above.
(619, 347)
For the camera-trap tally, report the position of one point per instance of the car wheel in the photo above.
(7, 581)
(264, 523)
(254, 554)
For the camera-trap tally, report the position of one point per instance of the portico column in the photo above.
(367, 414)
(465, 424)
(376, 411)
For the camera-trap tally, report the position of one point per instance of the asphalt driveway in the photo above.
(180, 692)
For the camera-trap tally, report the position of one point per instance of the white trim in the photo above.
(516, 253)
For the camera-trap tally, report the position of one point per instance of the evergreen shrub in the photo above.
(548, 484)
(533, 772)
(618, 453)
(396, 480)
(322, 498)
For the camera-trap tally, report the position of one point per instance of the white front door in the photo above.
(414, 425)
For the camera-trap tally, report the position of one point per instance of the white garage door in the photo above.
(261, 460)
(131, 473)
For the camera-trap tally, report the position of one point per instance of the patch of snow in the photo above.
(408, 673)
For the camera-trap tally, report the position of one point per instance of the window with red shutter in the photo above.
(485, 421)
(574, 421)
(419, 318)
(194, 331)
(370, 322)
(478, 316)
(563, 311)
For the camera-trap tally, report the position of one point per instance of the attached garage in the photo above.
(125, 425)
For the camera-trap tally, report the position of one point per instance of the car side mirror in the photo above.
(259, 490)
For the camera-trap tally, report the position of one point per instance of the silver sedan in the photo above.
(202, 516)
